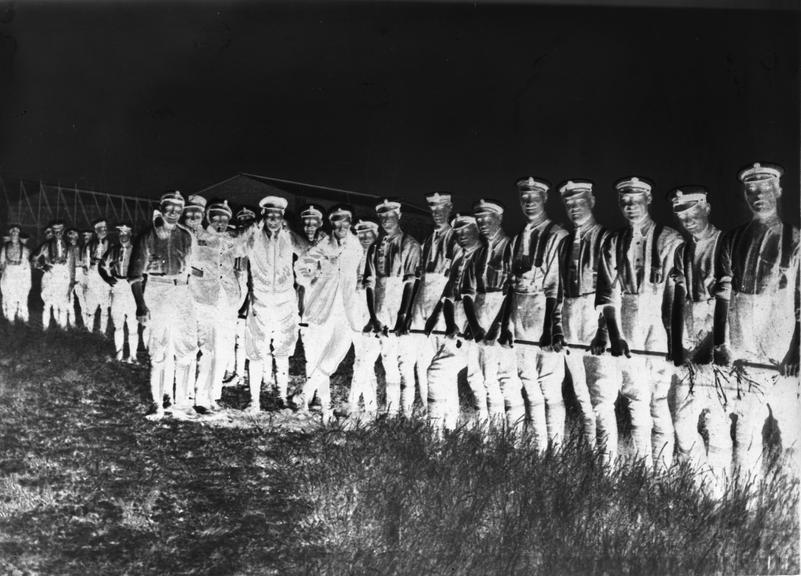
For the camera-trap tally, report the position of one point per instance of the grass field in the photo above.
(88, 486)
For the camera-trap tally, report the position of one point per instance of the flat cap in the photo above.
(387, 205)
(438, 198)
(462, 220)
(173, 197)
(219, 207)
(340, 211)
(366, 226)
(273, 202)
(312, 211)
(195, 202)
(685, 197)
(530, 184)
(633, 185)
(244, 214)
(574, 187)
(759, 172)
(123, 228)
(487, 205)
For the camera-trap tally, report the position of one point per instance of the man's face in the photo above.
(87, 237)
(488, 223)
(14, 235)
(273, 220)
(762, 196)
(340, 227)
(72, 238)
(243, 223)
(366, 238)
(311, 224)
(467, 236)
(532, 203)
(218, 222)
(48, 233)
(579, 207)
(58, 233)
(695, 219)
(125, 237)
(101, 230)
(389, 220)
(192, 218)
(634, 206)
(171, 212)
(441, 214)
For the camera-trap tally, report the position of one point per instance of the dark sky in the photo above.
(399, 99)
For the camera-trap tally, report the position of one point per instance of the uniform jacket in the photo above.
(490, 268)
(213, 267)
(580, 257)
(535, 259)
(632, 263)
(329, 272)
(271, 258)
(395, 256)
(161, 254)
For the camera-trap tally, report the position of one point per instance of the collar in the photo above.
(644, 227)
(495, 238)
(539, 223)
(387, 237)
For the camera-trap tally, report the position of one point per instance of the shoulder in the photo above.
(558, 232)
(409, 241)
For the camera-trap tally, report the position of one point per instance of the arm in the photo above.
(104, 267)
(136, 272)
(411, 262)
(723, 289)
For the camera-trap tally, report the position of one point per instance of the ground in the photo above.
(88, 486)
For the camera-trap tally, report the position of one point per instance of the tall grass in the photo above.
(87, 486)
(389, 499)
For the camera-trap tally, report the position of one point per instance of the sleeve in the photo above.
(551, 282)
(421, 262)
(673, 241)
(605, 293)
(676, 272)
(139, 258)
(307, 267)
(2, 257)
(723, 267)
(368, 276)
(300, 245)
(40, 253)
(411, 258)
(506, 265)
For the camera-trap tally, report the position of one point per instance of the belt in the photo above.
(162, 280)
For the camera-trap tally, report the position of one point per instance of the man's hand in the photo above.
(142, 315)
(451, 330)
(679, 357)
(789, 366)
(620, 347)
(722, 355)
(375, 326)
(478, 334)
(557, 343)
(492, 333)
(506, 338)
(431, 323)
(546, 340)
(599, 343)
(400, 325)
(111, 281)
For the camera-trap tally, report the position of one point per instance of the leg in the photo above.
(578, 374)
(637, 389)
(551, 374)
(662, 435)
(389, 358)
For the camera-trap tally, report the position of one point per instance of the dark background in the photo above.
(401, 99)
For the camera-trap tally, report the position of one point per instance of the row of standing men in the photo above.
(675, 310)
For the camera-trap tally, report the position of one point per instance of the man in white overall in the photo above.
(593, 378)
(535, 300)
(757, 320)
(272, 326)
(692, 313)
(162, 254)
(98, 292)
(114, 270)
(15, 276)
(635, 295)
(52, 257)
(439, 251)
(389, 279)
(366, 346)
(244, 218)
(453, 351)
(329, 271)
(311, 218)
(484, 287)
(216, 290)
